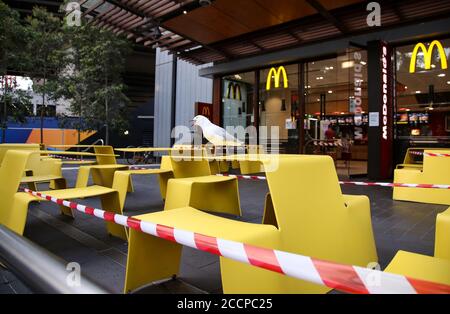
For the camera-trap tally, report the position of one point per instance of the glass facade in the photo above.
(423, 93)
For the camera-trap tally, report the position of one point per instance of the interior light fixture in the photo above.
(441, 75)
(184, 12)
(347, 64)
(330, 92)
(363, 62)
(418, 92)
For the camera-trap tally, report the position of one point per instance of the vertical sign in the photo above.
(204, 109)
(386, 112)
(381, 104)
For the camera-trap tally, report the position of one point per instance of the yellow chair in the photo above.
(14, 209)
(103, 172)
(38, 169)
(434, 269)
(195, 186)
(123, 177)
(436, 170)
(306, 213)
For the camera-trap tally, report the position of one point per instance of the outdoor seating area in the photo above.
(224, 155)
(194, 199)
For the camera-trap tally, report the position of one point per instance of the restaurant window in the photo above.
(237, 99)
(336, 108)
(279, 104)
(423, 93)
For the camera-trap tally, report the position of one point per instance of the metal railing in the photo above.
(38, 269)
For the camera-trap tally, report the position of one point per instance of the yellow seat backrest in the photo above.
(310, 210)
(188, 163)
(436, 170)
(11, 171)
(5, 147)
(105, 160)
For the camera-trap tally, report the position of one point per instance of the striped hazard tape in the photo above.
(65, 158)
(384, 184)
(419, 153)
(346, 278)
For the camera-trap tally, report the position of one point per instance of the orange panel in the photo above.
(58, 136)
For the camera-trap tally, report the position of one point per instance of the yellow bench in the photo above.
(38, 169)
(436, 170)
(435, 269)
(14, 209)
(410, 160)
(309, 216)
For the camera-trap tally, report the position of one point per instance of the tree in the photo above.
(47, 54)
(92, 82)
(103, 63)
(12, 41)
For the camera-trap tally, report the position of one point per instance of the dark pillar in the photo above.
(173, 106)
(301, 104)
(381, 110)
(256, 103)
(217, 101)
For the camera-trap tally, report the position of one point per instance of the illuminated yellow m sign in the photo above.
(276, 74)
(428, 55)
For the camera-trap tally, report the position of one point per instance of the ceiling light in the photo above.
(441, 75)
(330, 92)
(347, 64)
(448, 82)
(319, 78)
(238, 77)
(418, 92)
(408, 110)
(433, 66)
(184, 12)
(363, 62)
(342, 113)
(406, 87)
(318, 99)
(430, 108)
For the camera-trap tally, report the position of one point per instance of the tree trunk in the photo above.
(43, 107)
(5, 115)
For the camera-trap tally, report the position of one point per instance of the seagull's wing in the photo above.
(219, 137)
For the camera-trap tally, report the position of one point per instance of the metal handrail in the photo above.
(94, 144)
(39, 269)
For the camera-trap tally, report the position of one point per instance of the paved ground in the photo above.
(397, 225)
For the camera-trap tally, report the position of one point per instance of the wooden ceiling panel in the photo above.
(286, 10)
(335, 4)
(230, 18)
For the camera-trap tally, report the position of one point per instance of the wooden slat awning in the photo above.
(233, 29)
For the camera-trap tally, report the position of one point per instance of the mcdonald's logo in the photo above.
(428, 55)
(276, 75)
(234, 91)
(206, 111)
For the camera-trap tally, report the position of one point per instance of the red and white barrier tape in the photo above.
(437, 155)
(346, 278)
(64, 157)
(418, 153)
(384, 184)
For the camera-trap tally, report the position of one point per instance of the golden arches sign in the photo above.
(428, 55)
(206, 111)
(234, 91)
(276, 75)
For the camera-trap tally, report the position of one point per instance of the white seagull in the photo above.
(215, 134)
